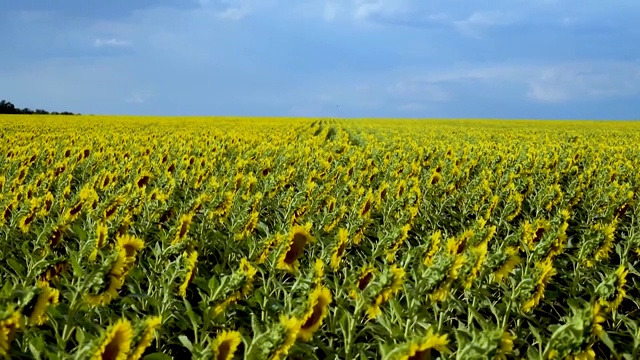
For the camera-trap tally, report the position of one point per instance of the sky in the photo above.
(547, 59)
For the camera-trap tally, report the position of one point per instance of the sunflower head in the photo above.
(116, 342)
(9, 325)
(294, 247)
(426, 348)
(225, 345)
(145, 336)
(48, 297)
(287, 329)
(182, 227)
(317, 309)
(339, 248)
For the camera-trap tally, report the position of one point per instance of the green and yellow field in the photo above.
(222, 238)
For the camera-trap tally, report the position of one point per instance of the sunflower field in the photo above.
(267, 238)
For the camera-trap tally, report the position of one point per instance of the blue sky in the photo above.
(349, 58)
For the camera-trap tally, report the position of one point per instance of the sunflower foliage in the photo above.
(269, 238)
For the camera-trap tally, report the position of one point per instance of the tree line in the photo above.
(6, 107)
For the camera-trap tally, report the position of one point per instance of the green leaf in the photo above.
(82, 234)
(157, 356)
(532, 353)
(16, 266)
(34, 351)
(607, 341)
(186, 342)
(535, 333)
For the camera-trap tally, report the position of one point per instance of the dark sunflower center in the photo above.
(296, 249)
(315, 315)
(365, 280)
(113, 349)
(224, 350)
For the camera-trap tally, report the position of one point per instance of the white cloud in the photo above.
(111, 42)
(331, 9)
(227, 9)
(412, 107)
(550, 83)
(137, 98)
(234, 13)
(585, 81)
(482, 20)
(365, 9)
(423, 91)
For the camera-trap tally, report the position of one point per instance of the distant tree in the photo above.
(6, 107)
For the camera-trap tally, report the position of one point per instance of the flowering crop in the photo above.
(266, 238)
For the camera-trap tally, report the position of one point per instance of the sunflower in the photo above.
(317, 309)
(365, 277)
(52, 272)
(506, 345)
(557, 197)
(8, 328)
(56, 235)
(597, 319)
(512, 260)
(143, 180)
(560, 242)
(191, 258)
(435, 178)
(480, 253)
(545, 271)
(339, 248)
(101, 239)
(267, 246)
(290, 327)
(318, 271)
(294, 247)
(457, 246)
(127, 247)
(115, 342)
(182, 228)
(402, 236)
(249, 226)
(47, 204)
(367, 204)
(5, 216)
(533, 232)
(48, 297)
(434, 246)
(492, 205)
(225, 345)
(449, 275)
(25, 222)
(608, 233)
(145, 337)
(382, 193)
(105, 180)
(397, 275)
(73, 212)
(614, 298)
(424, 348)
(222, 210)
(587, 354)
(515, 199)
(113, 207)
(245, 275)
